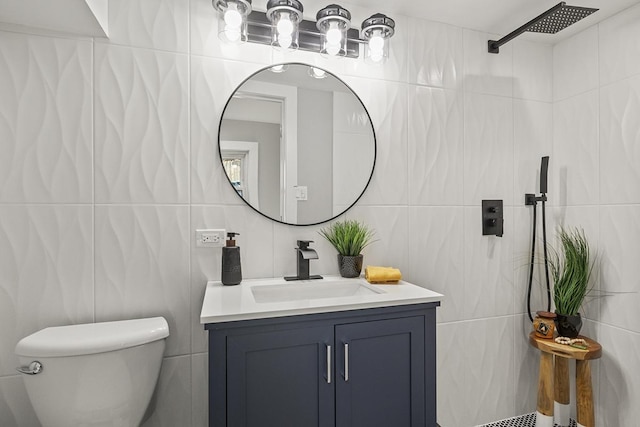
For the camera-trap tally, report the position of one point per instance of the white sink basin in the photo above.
(297, 291)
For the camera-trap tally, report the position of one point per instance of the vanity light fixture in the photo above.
(284, 16)
(283, 27)
(232, 19)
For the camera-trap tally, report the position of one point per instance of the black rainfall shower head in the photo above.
(553, 20)
(561, 17)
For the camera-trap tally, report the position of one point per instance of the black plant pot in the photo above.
(568, 326)
(350, 266)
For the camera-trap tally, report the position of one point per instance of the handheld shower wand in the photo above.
(532, 199)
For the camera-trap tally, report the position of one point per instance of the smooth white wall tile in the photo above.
(486, 72)
(436, 256)
(436, 135)
(435, 54)
(142, 267)
(620, 275)
(619, 142)
(46, 266)
(162, 25)
(619, 45)
(45, 119)
(575, 64)
(532, 71)
(141, 126)
(574, 164)
(488, 149)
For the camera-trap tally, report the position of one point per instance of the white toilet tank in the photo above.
(97, 374)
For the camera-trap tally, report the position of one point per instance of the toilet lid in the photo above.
(90, 338)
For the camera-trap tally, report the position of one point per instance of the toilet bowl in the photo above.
(98, 374)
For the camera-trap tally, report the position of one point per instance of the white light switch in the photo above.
(301, 192)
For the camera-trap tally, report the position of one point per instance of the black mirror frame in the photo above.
(373, 132)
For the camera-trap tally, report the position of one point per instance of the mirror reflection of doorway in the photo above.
(240, 160)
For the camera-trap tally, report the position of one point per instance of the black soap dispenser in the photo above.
(231, 267)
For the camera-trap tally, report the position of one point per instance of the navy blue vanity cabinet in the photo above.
(361, 368)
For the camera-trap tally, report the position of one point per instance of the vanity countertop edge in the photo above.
(236, 303)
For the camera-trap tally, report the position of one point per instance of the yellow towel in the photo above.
(382, 275)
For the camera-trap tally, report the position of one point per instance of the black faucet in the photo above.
(305, 253)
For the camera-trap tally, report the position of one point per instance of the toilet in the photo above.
(97, 374)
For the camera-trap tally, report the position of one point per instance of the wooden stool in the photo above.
(553, 380)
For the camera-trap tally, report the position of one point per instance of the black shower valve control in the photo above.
(492, 218)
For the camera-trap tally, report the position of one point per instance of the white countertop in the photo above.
(231, 303)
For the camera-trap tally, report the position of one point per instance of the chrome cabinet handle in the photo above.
(328, 364)
(346, 362)
(34, 368)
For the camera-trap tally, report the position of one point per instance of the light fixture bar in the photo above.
(310, 39)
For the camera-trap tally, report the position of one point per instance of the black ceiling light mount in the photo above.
(552, 21)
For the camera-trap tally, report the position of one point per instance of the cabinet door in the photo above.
(380, 377)
(281, 379)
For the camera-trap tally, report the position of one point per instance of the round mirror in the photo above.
(297, 144)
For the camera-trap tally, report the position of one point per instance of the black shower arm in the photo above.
(494, 46)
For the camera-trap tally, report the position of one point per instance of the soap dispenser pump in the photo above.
(231, 267)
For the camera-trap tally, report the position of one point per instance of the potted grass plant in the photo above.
(349, 237)
(571, 268)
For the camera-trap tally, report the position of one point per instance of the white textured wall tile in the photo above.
(172, 406)
(488, 149)
(452, 385)
(486, 72)
(46, 268)
(205, 41)
(533, 131)
(620, 275)
(142, 267)
(490, 366)
(212, 83)
(387, 105)
(435, 146)
(141, 126)
(574, 164)
(532, 71)
(390, 225)
(435, 54)
(45, 119)
(617, 402)
(436, 256)
(200, 390)
(575, 64)
(256, 254)
(620, 142)
(15, 407)
(526, 367)
(155, 24)
(619, 45)
(488, 268)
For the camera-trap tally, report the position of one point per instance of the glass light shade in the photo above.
(333, 22)
(232, 19)
(285, 17)
(376, 31)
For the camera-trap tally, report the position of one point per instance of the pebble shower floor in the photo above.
(528, 420)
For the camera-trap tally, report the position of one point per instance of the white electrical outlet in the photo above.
(210, 238)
